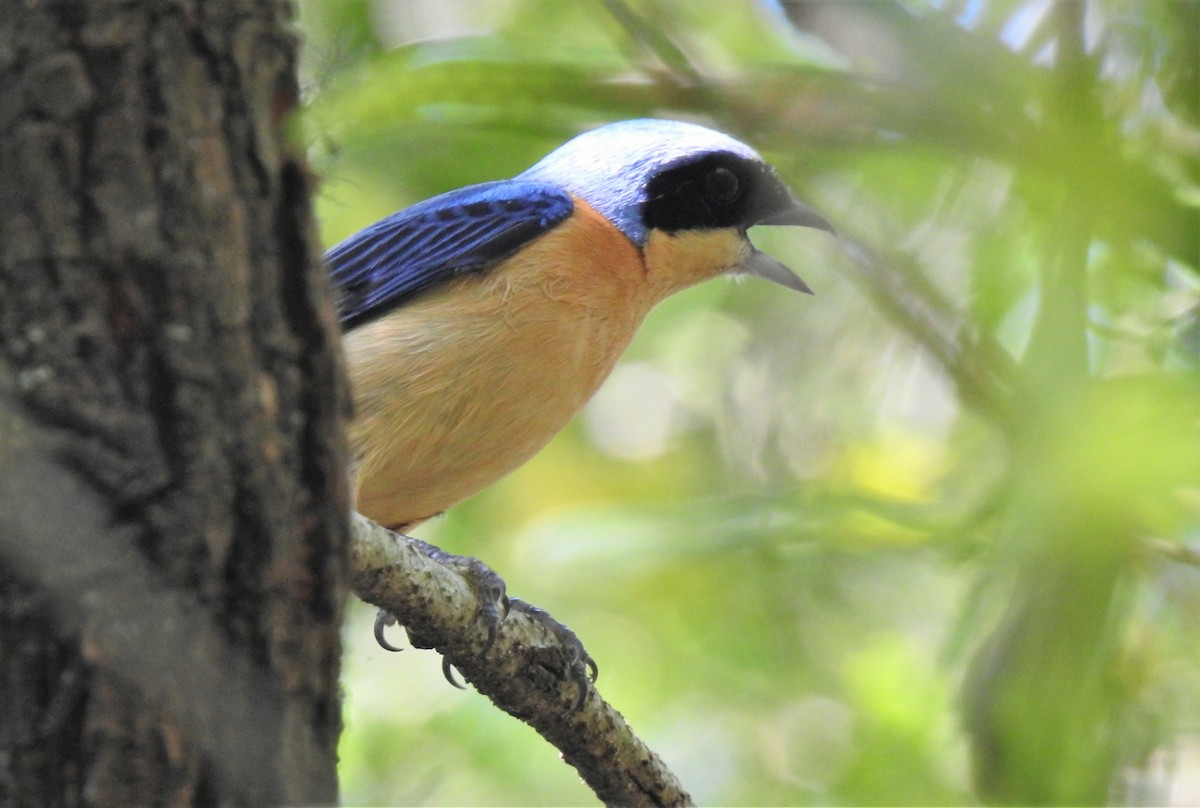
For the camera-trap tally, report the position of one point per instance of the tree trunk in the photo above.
(172, 485)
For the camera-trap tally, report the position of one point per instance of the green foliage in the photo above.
(928, 537)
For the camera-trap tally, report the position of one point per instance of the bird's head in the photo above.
(683, 194)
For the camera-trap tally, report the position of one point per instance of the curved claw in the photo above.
(383, 619)
(493, 613)
(581, 684)
(582, 670)
(493, 632)
(448, 672)
(493, 616)
(584, 673)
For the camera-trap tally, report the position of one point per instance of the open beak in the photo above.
(761, 265)
(797, 214)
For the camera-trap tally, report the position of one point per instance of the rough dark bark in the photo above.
(172, 540)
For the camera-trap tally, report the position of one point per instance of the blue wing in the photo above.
(467, 230)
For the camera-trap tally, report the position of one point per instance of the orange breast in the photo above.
(462, 385)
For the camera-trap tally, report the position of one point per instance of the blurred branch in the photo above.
(980, 368)
(654, 42)
(935, 82)
(1042, 709)
(526, 672)
(1057, 344)
(1174, 551)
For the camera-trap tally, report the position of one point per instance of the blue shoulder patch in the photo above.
(468, 230)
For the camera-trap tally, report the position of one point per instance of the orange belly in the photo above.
(457, 388)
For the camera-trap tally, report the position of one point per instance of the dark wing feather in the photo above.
(467, 230)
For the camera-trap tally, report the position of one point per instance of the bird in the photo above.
(478, 322)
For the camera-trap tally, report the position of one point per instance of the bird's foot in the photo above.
(581, 667)
(488, 586)
(494, 607)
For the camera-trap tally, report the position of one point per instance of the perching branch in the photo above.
(526, 672)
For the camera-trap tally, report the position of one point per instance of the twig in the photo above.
(979, 367)
(1175, 551)
(525, 673)
(653, 41)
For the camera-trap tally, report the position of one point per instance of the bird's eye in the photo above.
(722, 185)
